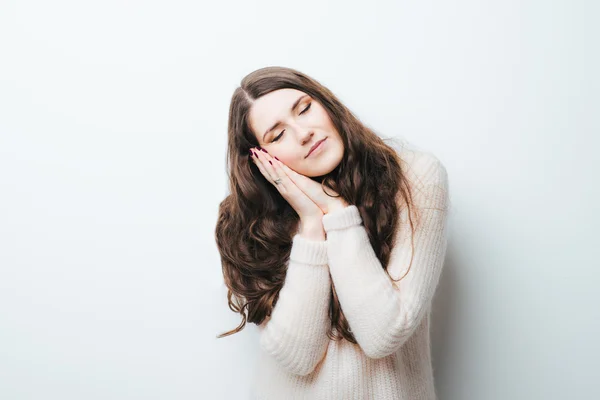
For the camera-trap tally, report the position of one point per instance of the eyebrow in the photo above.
(291, 109)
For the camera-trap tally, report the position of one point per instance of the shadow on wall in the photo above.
(445, 323)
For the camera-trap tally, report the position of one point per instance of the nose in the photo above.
(306, 136)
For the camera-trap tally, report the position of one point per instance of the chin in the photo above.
(319, 172)
(316, 174)
(324, 163)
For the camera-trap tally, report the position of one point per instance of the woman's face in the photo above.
(288, 129)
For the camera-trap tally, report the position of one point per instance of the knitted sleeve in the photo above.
(295, 335)
(383, 314)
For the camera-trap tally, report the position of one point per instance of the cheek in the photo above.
(293, 161)
(323, 117)
(328, 124)
(287, 158)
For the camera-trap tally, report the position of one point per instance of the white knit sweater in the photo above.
(390, 321)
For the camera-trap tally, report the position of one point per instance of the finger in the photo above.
(277, 167)
(281, 167)
(266, 162)
(315, 191)
(304, 183)
(300, 179)
(291, 188)
(293, 175)
(287, 185)
(260, 166)
(262, 157)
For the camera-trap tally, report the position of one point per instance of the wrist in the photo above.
(312, 228)
(337, 204)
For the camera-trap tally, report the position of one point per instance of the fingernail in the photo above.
(270, 162)
(277, 158)
(264, 150)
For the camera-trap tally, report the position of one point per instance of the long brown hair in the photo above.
(256, 224)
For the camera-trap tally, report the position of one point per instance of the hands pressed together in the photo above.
(305, 195)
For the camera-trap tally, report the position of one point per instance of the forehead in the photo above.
(271, 107)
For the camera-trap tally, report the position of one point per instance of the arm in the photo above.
(296, 334)
(384, 314)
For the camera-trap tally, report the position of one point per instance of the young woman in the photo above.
(332, 242)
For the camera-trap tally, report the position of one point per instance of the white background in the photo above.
(113, 121)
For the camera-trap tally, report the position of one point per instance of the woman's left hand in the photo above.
(314, 190)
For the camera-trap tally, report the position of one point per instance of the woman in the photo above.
(332, 242)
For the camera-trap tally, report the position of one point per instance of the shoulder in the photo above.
(426, 173)
(423, 165)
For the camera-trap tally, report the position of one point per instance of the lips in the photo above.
(315, 146)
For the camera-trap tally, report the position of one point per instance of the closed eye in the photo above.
(281, 134)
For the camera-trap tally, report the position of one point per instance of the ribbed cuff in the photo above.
(308, 251)
(342, 218)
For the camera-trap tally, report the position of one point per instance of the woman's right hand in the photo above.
(306, 209)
